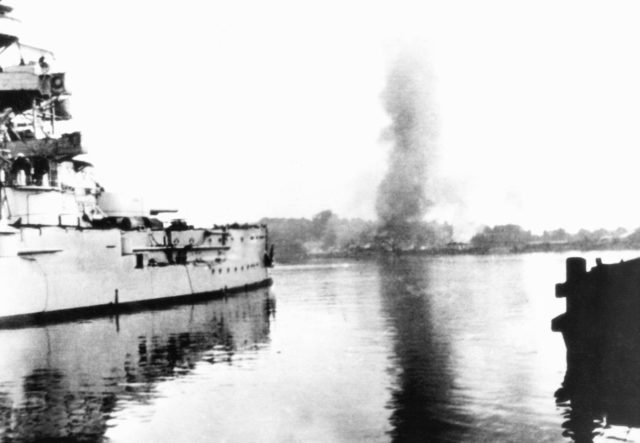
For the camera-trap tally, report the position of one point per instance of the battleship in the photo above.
(69, 247)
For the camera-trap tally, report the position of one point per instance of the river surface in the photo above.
(455, 348)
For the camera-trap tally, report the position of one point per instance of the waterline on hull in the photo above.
(87, 312)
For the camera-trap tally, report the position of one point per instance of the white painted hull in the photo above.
(61, 269)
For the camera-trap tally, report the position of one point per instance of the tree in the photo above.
(502, 236)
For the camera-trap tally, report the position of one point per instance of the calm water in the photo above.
(413, 349)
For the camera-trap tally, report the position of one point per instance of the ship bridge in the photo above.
(40, 179)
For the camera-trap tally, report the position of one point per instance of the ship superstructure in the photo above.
(67, 245)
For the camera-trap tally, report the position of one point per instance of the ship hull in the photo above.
(85, 312)
(62, 272)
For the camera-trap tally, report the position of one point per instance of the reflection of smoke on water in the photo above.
(77, 373)
(422, 400)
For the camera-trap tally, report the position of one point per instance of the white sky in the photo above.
(238, 110)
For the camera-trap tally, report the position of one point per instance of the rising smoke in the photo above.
(403, 197)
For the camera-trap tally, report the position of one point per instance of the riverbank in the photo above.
(357, 253)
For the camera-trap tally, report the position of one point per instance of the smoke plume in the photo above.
(403, 200)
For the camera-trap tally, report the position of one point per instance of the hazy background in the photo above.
(238, 110)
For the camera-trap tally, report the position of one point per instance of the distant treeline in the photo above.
(297, 238)
(327, 234)
(511, 236)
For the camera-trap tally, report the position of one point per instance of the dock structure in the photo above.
(601, 331)
(603, 304)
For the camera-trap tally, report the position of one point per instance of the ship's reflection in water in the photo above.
(65, 381)
(601, 391)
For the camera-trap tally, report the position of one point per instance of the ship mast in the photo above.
(38, 171)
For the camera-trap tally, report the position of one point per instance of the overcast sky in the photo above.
(239, 110)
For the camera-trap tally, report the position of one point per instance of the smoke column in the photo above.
(402, 199)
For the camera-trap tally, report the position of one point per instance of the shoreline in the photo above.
(358, 254)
